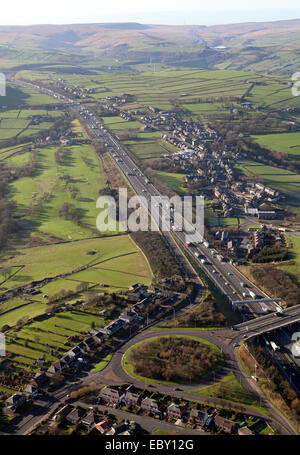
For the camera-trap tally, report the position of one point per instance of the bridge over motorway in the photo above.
(269, 322)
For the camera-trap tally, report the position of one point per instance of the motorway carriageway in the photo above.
(224, 275)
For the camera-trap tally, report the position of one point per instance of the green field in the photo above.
(173, 180)
(294, 253)
(283, 142)
(116, 261)
(19, 122)
(17, 96)
(101, 365)
(118, 124)
(39, 199)
(48, 338)
(228, 389)
(159, 88)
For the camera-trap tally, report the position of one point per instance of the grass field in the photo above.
(145, 145)
(116, 123)
(40, 198)
(228, 389)
(101, 365)
(48, 338)
(174, 181)
(283, 142)
(17, 96)
(294, 252)
(116, 261)
(17, 122)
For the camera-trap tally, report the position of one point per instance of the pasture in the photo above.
(115, 261)
(283, 142)
(294, 253)
(173, 180)
(47, 339)
(17, 96)
(18, 122)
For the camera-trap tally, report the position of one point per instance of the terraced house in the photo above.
(111, 396)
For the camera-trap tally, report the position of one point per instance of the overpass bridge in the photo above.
(269, 322)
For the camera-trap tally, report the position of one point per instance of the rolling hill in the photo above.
(263, 46)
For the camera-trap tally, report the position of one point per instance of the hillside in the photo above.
(263, 46)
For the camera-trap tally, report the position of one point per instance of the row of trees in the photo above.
(270, 254)
(203, 315)
(277, 384)
(161, 260)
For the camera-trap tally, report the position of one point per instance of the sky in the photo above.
(202, 12)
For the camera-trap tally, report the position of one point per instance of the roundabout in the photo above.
(172, 359)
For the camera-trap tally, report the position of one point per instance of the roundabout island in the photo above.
(172, 359)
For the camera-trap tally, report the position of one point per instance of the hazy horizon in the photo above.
(89, 15)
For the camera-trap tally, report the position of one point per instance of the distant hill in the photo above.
(191, 45)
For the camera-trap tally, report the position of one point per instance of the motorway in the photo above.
(223, 274)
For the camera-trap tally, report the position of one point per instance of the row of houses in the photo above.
(115, 397)
(91, 420)
(15, 401)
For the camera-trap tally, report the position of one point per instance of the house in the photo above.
(266, 215)
(89, 343)
(245, 431)
(63, 412)
(111, 396)
(132, 399)
(57, 367)
(129, 317)
(132, 297)
(15, 401)
(199, 416)
(39, 380)
(114, 327)
(103, 427)
(118, 430)
(90, 420)
(98, 338)
(75, 415)
(175, 411)
(75, 351)
(68, 358)
(150, 405)
(135, 287)
(228, 426)
(31, 391)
